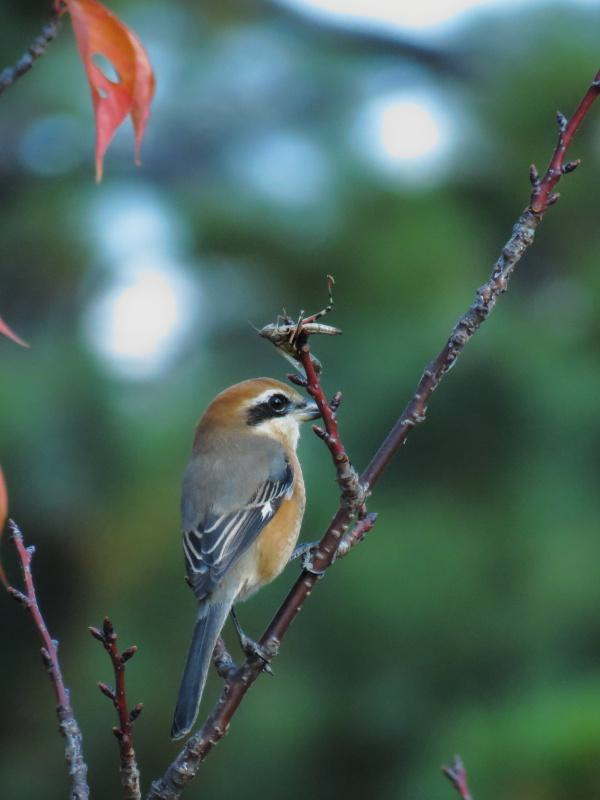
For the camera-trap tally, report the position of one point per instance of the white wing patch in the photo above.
(210, 549)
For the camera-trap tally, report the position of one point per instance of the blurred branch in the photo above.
(457, 775)
(67, 723)
(37, 48)
(130, 774)
(380, 39)
(289, 336)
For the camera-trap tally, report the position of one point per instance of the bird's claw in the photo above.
(253, 649)
(302, 550)
(250, 648)
(305, 552)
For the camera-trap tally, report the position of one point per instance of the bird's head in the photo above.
(263, 406)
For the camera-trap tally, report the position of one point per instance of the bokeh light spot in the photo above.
(406, 134)
(138, 321)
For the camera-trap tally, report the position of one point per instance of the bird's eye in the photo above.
(278, 403)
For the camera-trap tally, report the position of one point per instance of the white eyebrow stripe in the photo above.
(264, 396)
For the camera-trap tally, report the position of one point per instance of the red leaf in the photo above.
(3, 515)
(6, 331)
(99, 32)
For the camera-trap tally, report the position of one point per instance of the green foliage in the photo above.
(470, 619)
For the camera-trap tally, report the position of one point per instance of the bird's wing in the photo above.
(213, 545)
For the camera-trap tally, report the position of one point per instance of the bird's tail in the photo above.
(209, 624)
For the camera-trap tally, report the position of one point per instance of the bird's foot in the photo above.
(302, 550)
(250, 648)
(305, 552)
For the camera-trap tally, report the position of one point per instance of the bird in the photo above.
(242, 503)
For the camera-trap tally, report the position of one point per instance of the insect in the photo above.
(286, 333)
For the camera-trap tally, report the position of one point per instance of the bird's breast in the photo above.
(277, 540)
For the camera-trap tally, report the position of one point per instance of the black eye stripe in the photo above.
(277, 405)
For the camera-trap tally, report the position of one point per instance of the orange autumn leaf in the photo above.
(6, 331)
(3, 515)
(100, 33)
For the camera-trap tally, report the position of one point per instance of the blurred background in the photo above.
(386, 143)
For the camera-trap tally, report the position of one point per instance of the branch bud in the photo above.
(129, 653)
(562, 121)
(46, 658)
(534, 176)
(570, 166)
(18, 596)
(322, 434)
(457, 775)
(135, 712)
(297, 379)
(335, 401)
(107, 691)
(108, 629)
(96, 634)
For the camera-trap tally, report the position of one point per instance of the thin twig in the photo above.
(130, 774)
(522, 238)
(356, 534)
(67, 723)
(37, 48)
(457, 775)
(542, 196)
(354, 490)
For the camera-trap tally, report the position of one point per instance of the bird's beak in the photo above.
(307, 410)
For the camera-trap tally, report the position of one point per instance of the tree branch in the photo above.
(457, 775)
(37, 48)
(67, 723)
(522, 237)
(293, 340)
(130, 774)
(542, 196)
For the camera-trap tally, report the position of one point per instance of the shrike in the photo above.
(242, 505)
